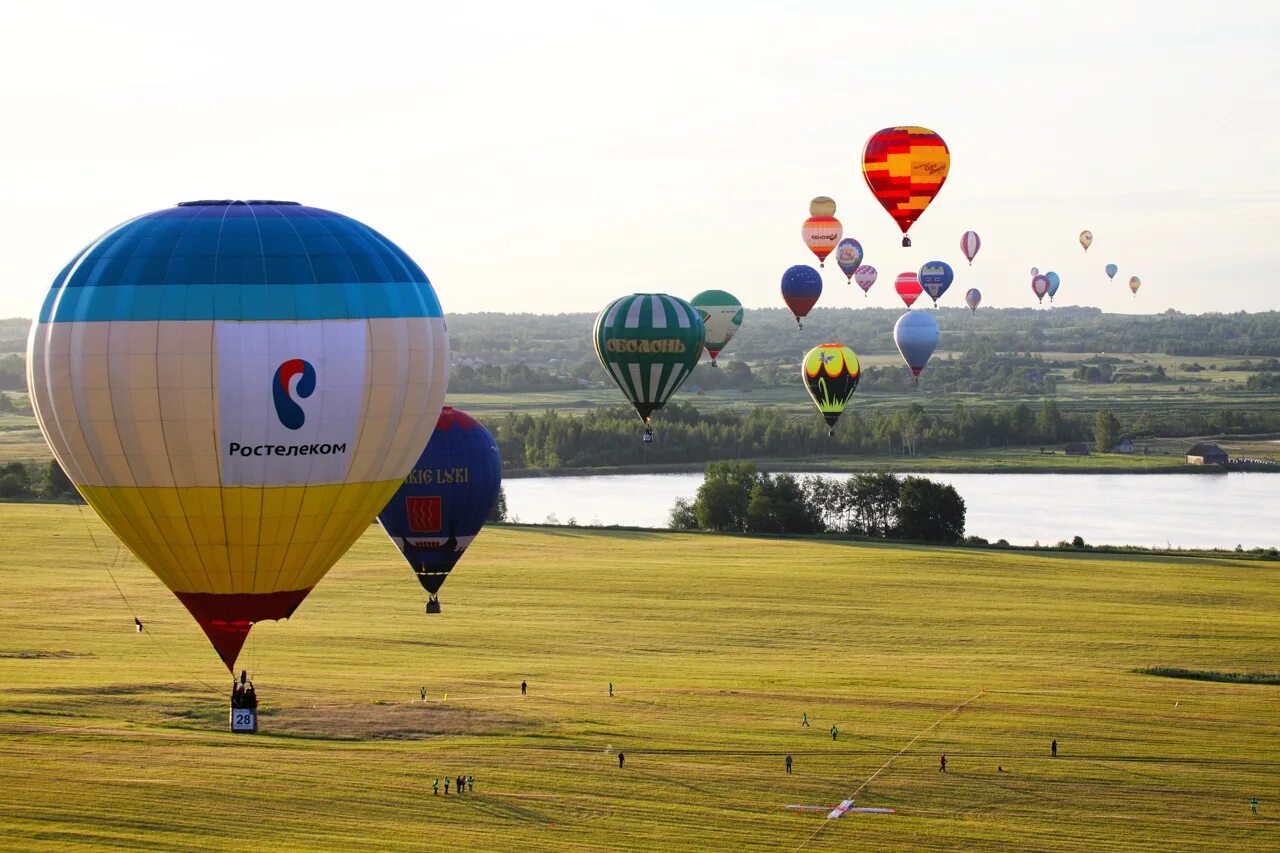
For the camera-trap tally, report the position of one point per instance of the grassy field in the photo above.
(715, 646)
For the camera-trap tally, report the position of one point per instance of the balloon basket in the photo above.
(906, 242)
(244, 721)
(433, 605)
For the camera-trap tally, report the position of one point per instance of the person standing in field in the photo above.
(1253, 804)
(446, 786)
(524, 687)
(610, 688)
(835, 733)
(621, 758)
(942, 763)
(804, 720)
(424, 694)
(1053, 749)
(788, 762)
(435, 786)
(471, 784)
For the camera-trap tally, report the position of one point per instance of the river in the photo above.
(1154, 510)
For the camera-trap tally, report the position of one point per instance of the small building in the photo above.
(1206, 454)
(1077, 448)
(1125, 446)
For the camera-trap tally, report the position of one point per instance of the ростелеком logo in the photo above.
(287, 409)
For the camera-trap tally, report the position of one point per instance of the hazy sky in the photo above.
(549, 157)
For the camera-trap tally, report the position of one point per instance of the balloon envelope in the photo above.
(908, 287)
(865, 276)
(801, 287)
(831, 373)
(916, 335)
(821, 234)
(1086, 239)
(1040, 286)
(970, 243)
(849, 256)
(905, 167)
(447, 497)
(1134, 284)
(935, 278)
(1035, 271)
(237, 389)
(1054, 281)
(721, 316)
(1111, 270)
(972, 298)
(822, 206)
(649, 343)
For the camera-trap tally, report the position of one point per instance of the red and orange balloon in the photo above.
(905, 167)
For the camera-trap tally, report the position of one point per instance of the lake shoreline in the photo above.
(919, 465)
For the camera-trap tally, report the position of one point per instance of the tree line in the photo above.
(36, 481)
(735, 497)
(608, 437)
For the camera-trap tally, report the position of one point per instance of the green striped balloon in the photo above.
(649, 343)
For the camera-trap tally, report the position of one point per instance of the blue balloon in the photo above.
(445, 499)
(916, 334)
(1054, 281)
(935, 278)
(1112, 269)
(801, 287)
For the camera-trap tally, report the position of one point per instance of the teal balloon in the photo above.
(1054, 281)
(1112, 269)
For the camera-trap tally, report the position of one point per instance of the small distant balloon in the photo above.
(916, 336)
(801, 287)
(1040, 286)
(1054, 281)
(821, 233)
(1086, 239)
(1035, 271)
(831, 373)
(721, 316)
(935, 278)
(1112, 269)
(908, 287)
(970, 243)
(973, 298)
(822, 206)
(1134, 284)
(849, 257)
(865, 276)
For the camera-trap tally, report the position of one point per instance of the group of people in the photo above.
(243, 694)
(461, 784)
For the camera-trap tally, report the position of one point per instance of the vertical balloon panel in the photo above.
(237, 389)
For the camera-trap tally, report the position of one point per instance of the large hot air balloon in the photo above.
(445, 500)
(1086, 239)
(972, 298)
(865, 276)
(721, 316)
(821, 232)
(831, 373)
(970, 243)
(849, 256)
(237, 388)
(916, 335)
(908, 287)
(1134, 284)
(801, 287)
(1111, 270)
(935, 278)
(905, 167)
(1040, 286)
(1054, 281)
(648, 343)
